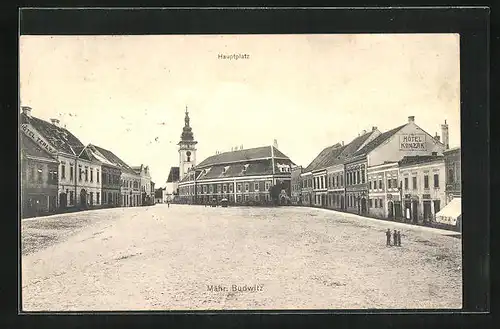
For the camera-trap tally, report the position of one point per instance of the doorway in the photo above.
(415, 211)
(427, 211)
(390, 210)
(83, 198)
(363, 206)
(63, 200)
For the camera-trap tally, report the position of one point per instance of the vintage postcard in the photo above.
(240, 172)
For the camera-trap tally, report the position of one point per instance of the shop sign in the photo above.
(37, 138)
(412, 142)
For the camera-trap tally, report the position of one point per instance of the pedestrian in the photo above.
(395, 237)
(399, 238)
(388, 235)
(168, 204)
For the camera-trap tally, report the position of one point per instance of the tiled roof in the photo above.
(111, 157)
(59, 137)
(417, 159)
(262, 167)
(30, 148)
(328, 155)
(378, 141)
(334, 154)
(242, 156)
(173, 176)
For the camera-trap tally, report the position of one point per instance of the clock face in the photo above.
(188, 153)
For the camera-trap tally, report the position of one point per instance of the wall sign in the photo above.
(37, 138)
(412, 142)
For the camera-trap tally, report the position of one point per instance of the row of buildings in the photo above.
(58, 171)
(402, 173)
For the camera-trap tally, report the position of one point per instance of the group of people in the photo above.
(396, 238)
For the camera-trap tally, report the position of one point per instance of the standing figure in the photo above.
(395, 237)
(399, 238)
(168, 204)
(388, 235)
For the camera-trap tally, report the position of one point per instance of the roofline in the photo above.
(439, 158)
(223, 163)
(452, 149)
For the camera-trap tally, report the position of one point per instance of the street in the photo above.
(199, 258)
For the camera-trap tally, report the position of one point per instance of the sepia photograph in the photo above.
(240, 172)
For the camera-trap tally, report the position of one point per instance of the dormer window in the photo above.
(245, 167)
(224, 170)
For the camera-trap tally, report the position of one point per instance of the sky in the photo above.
(128, 94)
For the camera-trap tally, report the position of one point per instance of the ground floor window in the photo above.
(71, 197)
(437, 206)
(97, 197)
(91, 197)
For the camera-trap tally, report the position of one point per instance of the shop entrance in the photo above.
(363, 206)
(63, 200)
(427, 211)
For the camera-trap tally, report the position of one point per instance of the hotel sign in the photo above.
(37, 138)
(412, 142)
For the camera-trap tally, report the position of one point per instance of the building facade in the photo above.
(147, 196)
(423, 185)
(452, 162)
(336, 187)
(307, 188)
(39, 181)
(296, 184)
(384, 191)
(76, 167)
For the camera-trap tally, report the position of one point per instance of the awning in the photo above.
(450, 213)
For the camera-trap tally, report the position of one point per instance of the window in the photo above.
(358, 180)
(71, 171)
(204, 189)
(238, 187)
(256, 197)
(247, 188)
(63, 171)
(394, 183)
(362, 176)
(437, 206)
(224, 188)
(389, 183)
(39, 174)
(426, 181)
(342, 180)
(71, 197)
(246, 197)
(436, 181)
(91, 174)
(86, 174)
(256, 186)
(268, 186)
(231, 187)
(370, 184)
(238, 198)
(406, 183)
(97, 197)
(414, 182)
(370, 203)
(52, 177)
(80, 173)
(91, 197)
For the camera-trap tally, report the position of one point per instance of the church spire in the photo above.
(187, 131)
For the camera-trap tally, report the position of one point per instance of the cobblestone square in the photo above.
(193, 257)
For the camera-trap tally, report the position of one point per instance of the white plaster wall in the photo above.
(390, 149)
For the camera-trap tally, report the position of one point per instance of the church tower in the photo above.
(187, 148)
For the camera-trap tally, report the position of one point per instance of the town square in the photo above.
(202, 182)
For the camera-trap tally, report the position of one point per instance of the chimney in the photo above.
(445, 134)
(275, 144)
(411, 118)
(26, 110)
(364, 132)
(342, 143)
(437, 137)
(374, 128)
(55, 122)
